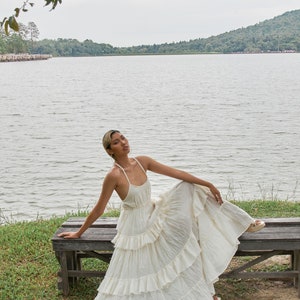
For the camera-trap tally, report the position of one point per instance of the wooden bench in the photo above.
(281, 236)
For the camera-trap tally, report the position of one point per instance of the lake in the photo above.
(229, 119)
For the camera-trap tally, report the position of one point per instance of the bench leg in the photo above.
(76, 264)
(296, 266)
(64, 273)
(69, 261)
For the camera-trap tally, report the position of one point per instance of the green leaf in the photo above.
(6, 27)
(13, 24)
(3, 22)
(53, 2)
(17, 10)
(48, 2)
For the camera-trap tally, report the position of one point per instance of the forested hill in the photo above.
(280, 34)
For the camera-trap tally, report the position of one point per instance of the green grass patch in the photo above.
(29, 267)
(269, 208)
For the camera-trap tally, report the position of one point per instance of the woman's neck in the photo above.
(124, 162)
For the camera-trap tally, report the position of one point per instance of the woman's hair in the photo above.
(106, 140)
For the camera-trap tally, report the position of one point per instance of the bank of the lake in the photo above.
(23, 57)
(29, 266)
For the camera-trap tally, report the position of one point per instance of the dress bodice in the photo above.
(137, 196)
(136, 208)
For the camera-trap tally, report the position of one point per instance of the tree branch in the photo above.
(12, 23)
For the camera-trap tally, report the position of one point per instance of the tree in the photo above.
(20, 42)
(12, 23)
(23, 31)
(2, 43)
(33, 33)
(15, 44)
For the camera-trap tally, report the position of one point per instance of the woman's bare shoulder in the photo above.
(113, 173)
(143, 158)
(145, 161)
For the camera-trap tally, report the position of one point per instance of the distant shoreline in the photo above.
(23, 57)
(31, 57)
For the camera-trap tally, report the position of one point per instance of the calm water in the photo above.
(230, 119)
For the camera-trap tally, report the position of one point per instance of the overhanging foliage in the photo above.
(12, 23)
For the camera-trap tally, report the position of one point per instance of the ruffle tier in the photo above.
(156, 280)
(171, 213)
(138, 241)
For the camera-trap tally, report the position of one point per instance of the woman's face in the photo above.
(119, 144)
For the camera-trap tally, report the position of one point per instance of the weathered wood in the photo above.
(74, 273)
(102, 256)
(281, 236)
(261, 252)
(275, 237)
(268, 275)
(286, 222)
(64, 273)
(253, 262)
(296, 267)
(103, 222)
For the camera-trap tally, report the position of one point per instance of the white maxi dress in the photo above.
(173, 248)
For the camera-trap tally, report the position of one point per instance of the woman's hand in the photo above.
(69, 235)
(216, 194)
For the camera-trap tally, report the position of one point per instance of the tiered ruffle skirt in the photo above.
(174, 248)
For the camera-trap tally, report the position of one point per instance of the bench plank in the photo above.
(101, 222)
(282, 221)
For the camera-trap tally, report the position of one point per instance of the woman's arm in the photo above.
(108, 187)
(154, 166)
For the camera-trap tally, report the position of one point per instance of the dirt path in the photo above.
(259, 289)
(277, 290)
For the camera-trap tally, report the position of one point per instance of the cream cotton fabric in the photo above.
(172, 248)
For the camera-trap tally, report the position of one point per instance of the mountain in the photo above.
(280, 34)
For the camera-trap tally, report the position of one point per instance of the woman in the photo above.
(172, 248)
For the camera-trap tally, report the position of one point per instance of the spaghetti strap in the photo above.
(139, 164)
(123, 172)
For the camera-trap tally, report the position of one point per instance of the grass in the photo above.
(270, 209)
(29, 267)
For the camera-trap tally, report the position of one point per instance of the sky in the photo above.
(124, 23)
